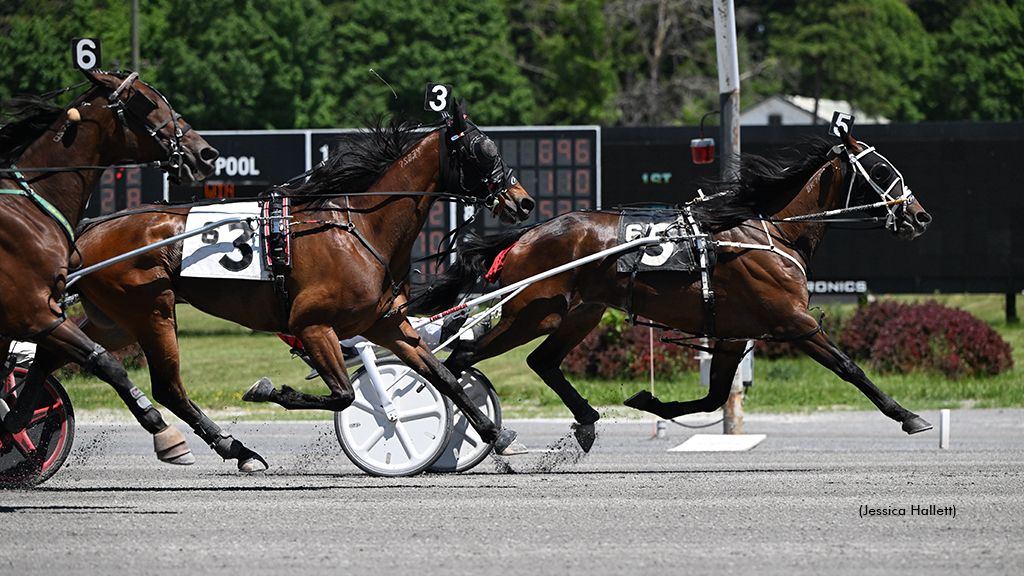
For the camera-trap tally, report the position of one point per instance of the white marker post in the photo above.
(944, 429)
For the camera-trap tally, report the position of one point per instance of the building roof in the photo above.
(799, 110)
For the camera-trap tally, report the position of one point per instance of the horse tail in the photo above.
(473, 257)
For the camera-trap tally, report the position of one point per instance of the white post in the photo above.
(944, 429)
(729, 98)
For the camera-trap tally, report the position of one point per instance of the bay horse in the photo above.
(51, 159)
(354, 222)
(763, 230)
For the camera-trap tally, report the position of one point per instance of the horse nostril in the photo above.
(923, 218)
(209, 154)
(526, 204)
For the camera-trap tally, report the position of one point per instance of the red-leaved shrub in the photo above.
(935, 339)
(861, 331)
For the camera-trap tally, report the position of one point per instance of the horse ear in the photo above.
(91, 76)
(459, 115)
(847, 140)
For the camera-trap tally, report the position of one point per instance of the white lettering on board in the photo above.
(236, 166)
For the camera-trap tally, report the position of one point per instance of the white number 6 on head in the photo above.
(438, 97)
(85, 53)
(840, 120)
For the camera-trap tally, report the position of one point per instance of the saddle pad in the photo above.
(234, 250)
(668, 256)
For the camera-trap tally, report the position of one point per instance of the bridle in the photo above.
(880, 172)
(140, 106)
(475, 147)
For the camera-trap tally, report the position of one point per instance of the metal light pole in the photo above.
(729, 99)
(135, 35)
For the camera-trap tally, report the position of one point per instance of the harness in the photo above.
(47, 208)
(278, 255)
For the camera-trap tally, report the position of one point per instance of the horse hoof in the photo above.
(170, 447)
(641, 400)
(183, 460)
(585, 435)
(251, 465)
(507, 445)
(915, 424)
(249, 461)
(260, 391)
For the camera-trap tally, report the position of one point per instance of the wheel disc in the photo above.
(406, 446)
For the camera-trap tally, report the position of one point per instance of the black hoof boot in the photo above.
(915, 424)
(641, 400)
(585, 435)
(260, 391)
(249, 461)
(507, 445)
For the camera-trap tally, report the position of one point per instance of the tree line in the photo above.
(275, 64)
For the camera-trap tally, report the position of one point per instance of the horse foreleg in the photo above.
(159, 341)
(821, 348)
(725, 359)
(68, 340)
(412, 350)
(324, 350)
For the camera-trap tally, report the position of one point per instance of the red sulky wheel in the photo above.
(30, 456)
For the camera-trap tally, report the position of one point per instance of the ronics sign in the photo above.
(837, 287)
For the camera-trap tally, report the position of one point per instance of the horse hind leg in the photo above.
(725, 360)
(69, 341)
(324, 350)
(225, 445)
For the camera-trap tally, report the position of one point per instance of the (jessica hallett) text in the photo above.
(912, 510)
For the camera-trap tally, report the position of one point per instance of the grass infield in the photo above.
(221, 360)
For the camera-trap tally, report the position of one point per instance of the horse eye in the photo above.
(881, 172)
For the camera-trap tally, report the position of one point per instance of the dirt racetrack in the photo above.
(828, 493)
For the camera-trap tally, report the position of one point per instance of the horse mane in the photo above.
(361, 159)
(25, 120)
(760, 180)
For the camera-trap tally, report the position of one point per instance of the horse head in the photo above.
(480, 172)
(875, 182)
(153, 129)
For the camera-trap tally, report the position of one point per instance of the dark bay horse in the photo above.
(351, 257)
(764, 234)
(50, 161)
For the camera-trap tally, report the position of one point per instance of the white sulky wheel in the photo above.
(466, 449)
(410, 444)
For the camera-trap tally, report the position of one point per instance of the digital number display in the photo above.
(119, 189)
